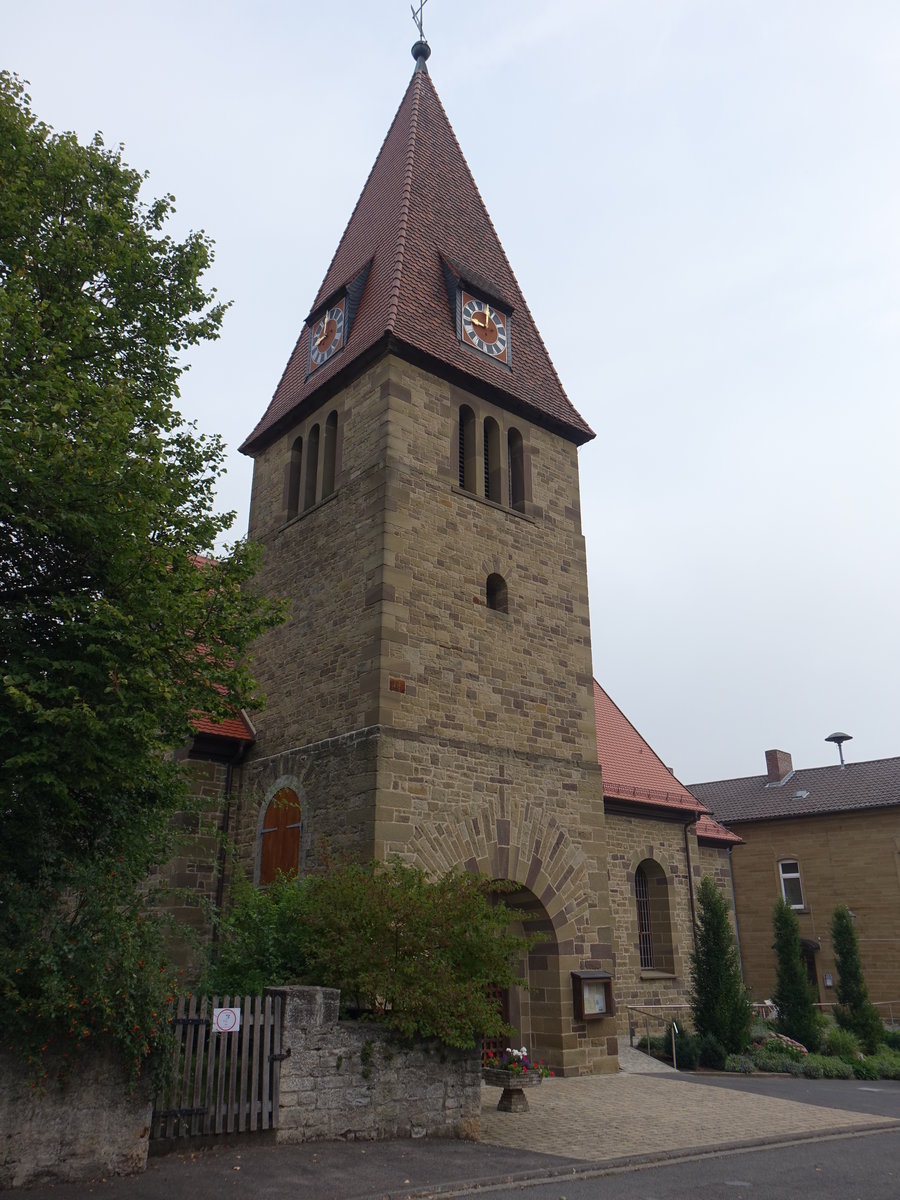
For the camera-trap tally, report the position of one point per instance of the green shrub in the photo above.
(853, 1010)
(892, 1038)
(659, 1046)
(720, 1004)
(687, 1049)
(811, 1068)
(866, 1068)
(419, 954)
(770, 1063)
(794, 996)
(711, 1053)
(888, 1063)
(835, 1068)
(842, 1043)
(760, 1030)
(739, 1062)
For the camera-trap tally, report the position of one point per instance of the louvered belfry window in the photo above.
(645, 936)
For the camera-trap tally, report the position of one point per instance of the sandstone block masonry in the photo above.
(355, 1081)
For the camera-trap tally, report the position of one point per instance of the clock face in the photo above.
(326, 335)
(485, 327)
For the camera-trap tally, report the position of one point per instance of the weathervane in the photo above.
(417, 17)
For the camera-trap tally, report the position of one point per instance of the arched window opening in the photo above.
(293, 494)
(651, 893)
(279, 836)
(466, 448)
(496, 593)
(516, 452)
(312, 468)
(328, 464)
(491, 459)
(645, 932)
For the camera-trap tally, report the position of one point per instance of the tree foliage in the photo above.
(720, 1003)
(853, 1011)
(117, 627)
(794, 997)
(420, 954)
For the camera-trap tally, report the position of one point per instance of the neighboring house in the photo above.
(817, 837)
(661, 842)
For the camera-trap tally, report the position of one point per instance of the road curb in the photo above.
(593, 1169)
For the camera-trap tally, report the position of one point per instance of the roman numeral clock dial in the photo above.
(484, 327)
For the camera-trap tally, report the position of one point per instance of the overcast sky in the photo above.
(701, 201)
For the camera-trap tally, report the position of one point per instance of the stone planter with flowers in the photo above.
(514, 1072)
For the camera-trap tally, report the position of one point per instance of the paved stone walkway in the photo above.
(600, 1118)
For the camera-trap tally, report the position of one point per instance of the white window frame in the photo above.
(784, 876)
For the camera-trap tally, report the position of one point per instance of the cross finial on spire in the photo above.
(417, 17)
(421, 50)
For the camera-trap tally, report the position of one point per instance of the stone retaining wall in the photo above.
(88, 1129)
(355, 1080)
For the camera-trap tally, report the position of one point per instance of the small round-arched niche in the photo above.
(496, 593)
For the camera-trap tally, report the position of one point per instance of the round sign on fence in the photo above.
(226, 1020)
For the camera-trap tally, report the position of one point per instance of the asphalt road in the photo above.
(860, 1167)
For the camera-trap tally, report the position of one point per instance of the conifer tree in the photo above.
(853, 1010)
(719, 1001)
(794, 998)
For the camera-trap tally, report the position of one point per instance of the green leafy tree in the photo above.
(853, 1011)
(420, 954)
(117, 627)
(720, 1003)
(794, 997)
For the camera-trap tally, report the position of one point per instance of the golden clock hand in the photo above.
(321, 337)
(487, 315)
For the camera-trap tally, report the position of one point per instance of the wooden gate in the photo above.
(221, 1082)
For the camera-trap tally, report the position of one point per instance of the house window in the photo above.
(516, 455)
(330, 455)
(293, 496)
(279, 836)
(496, 594)
(312, 468)
(645, 933)
(791, 888)
(466, 448)
(491, 459)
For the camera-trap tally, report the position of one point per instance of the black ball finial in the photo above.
(421, 52)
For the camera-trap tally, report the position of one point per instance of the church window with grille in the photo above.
(645, 933)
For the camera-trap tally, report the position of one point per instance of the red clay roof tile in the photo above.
(419, 204)
(631, 769)
(237, 728)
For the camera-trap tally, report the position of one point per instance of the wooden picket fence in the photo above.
(221, 1083)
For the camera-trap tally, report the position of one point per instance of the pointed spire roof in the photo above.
(419, 228)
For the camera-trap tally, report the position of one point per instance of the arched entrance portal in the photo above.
(532, 1010)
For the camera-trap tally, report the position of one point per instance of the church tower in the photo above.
(416, 493)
